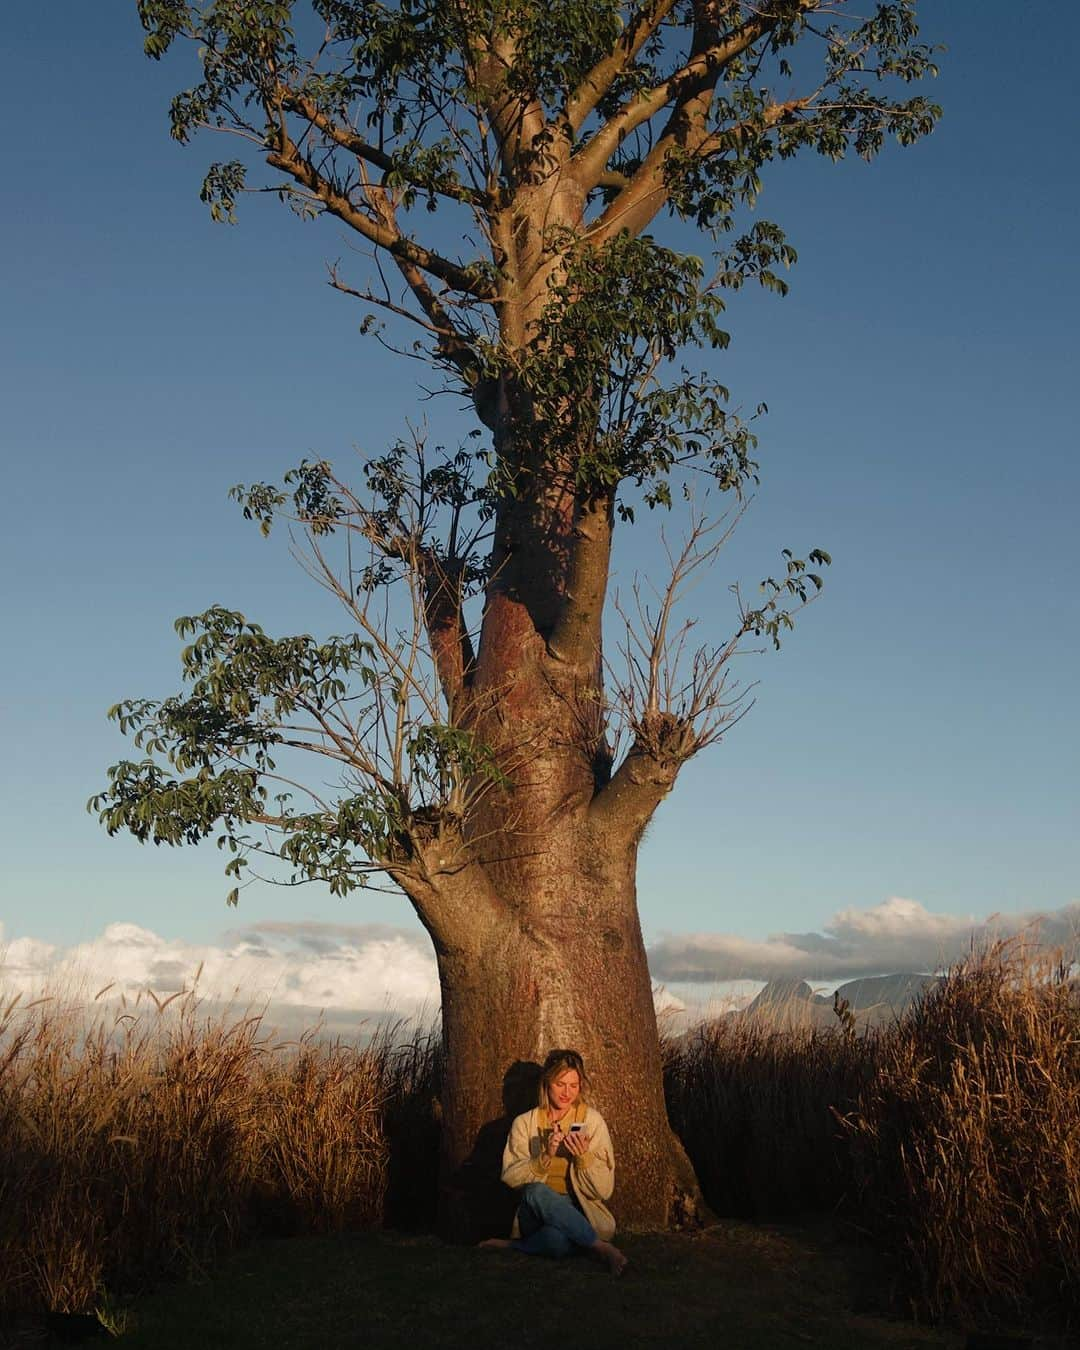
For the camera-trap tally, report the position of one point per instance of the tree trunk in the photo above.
(541, 948)
(568, 972)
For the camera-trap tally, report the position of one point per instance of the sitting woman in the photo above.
(559, 1156)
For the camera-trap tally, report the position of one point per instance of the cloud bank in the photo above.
(897, 935)
(354, 976)
(347, 974)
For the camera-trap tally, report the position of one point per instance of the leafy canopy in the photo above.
(380, 113)
(548, 139)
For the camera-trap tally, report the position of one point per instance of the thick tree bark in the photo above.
(569, 971)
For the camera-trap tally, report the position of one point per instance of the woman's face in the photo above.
(564, 1090)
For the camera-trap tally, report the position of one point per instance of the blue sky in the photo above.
(917, 737)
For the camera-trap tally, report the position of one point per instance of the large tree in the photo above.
(500, 162)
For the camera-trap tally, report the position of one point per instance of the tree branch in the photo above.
(451, 645)
(515, 121)
(646, 192)
(449, 888)
(382, 301)
(600, 79)
(349, 140)
(576, 637)
(735, 136)
(452, 344)
(613, 179)
(290, 160)
(699, 75)
(637, 787)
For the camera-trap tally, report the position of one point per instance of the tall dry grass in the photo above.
(965, 1145)
(153, 1137)
(950, 1138)
(751, 1102)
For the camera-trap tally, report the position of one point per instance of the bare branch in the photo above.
(382, 301)
(669, 712)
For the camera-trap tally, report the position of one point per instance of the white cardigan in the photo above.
(592, 1176)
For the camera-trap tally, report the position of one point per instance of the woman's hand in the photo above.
(577, 1143)
(555, 1139)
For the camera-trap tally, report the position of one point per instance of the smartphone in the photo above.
(576, 1127)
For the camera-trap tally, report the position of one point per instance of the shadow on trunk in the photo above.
(475, 1203)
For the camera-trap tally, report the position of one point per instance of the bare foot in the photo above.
(493, 1244)
(610, 1254)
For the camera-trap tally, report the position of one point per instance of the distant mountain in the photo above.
(873, 1000)
(780, 993)
(895, 991)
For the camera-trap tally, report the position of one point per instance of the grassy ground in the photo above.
(750, 1287)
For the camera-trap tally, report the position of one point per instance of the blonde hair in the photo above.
(557, 1063)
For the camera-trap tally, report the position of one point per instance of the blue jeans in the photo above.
(551, 1224)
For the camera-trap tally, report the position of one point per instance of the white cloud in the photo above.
(897, 935)
(350, 973)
